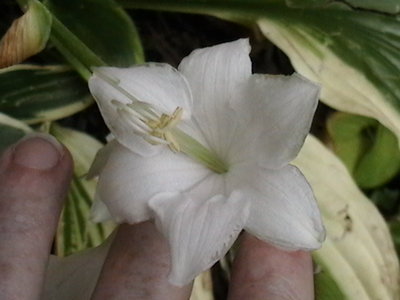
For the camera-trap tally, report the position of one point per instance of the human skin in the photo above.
(261, 271)
(34, 179)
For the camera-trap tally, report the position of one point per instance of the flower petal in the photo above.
(216, 76)
(75, 276)
(160, 85)
(101, 159)
(275, 119)
(199, 232)
(128, 180)
(99, 211)
(283, 209)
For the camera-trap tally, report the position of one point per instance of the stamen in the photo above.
(143, 109)
(138, 126)
(132, 117)
(144, 119)
(115, 83)
(161, 127)
(155, 140)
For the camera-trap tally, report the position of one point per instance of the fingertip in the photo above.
(262, 271)
(137, 267)
(36, 159)
(39, 151)
(36, 152)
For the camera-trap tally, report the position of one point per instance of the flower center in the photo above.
(161, 128)
(158, 128)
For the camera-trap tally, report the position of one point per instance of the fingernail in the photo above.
(37, 151)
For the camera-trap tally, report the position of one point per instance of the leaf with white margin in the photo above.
(352, 53)
(365, 87)
(76, 232)
(324, 285)
(359, 252)
(386, 6)
(203, 287)
(37, 94)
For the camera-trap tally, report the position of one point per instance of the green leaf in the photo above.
(76, 232)
(103, 27)
(27, 35)
(352, 53)
(325, 286)
(386, 6)
(349, 138)
(37, 94)
(358, 253)
(368, 149)
(9, 135)
(306, 3)
(11, 130)
(395, 230)
(381, 162)
(386, 199)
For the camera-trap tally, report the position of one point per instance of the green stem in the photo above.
(74, 50)
(78, 65)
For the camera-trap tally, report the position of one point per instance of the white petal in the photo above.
(100, 160)
(128, 181)
(160, 85)
(99, 211)
(75, 276)
(275, 119)
(199, 232)
(217, 76)
(283, 209)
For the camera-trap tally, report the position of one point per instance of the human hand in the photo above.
(34, 178)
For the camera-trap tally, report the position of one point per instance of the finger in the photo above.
(34, 176)
(137, 267)
(261, 271)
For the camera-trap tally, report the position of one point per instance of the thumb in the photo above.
(34, 178)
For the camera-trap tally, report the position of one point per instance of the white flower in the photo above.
(205, 151)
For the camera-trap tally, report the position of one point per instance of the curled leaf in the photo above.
(27, 35)
(368, 149)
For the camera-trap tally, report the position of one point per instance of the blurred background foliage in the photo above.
(350, 47)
